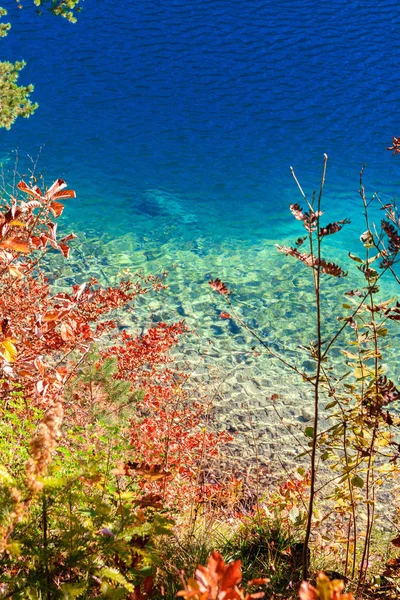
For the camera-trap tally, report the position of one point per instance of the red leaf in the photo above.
(67, 238)
(396, 146)
(64, 249)
(333, 227)
(52, 227)
(218, 286)
(36, 241)
(56, 208)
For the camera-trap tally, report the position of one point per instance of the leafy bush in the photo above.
(101, 450)
(358, 399)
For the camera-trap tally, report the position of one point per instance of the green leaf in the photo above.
(53, 483)
(14, 549)
(309, 431)
(382, 332)
(14, 99)
(116, 577)
(357, 481)
(75, 590)
(331, 404)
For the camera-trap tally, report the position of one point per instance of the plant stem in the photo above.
(317, 276)
(45, 545)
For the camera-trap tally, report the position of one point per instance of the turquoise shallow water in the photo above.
(176, 123)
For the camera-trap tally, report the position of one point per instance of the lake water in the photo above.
(176, 123)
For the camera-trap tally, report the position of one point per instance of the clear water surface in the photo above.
(176, 122)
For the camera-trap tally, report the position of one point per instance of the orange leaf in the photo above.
(36, 241)
(41, 367)
(29, 206)
(51, 315)
(232, 575)
(56, 208)
(64, 195)
(16, 244)
(70, 236)
(41, 386)
(307, 592)
(25, 188)
(67, 332)
(61, 374)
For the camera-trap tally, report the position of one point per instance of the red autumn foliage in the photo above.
(218, 286)
(217, 581)
(42, 331)
(168, 430)
(396, 146)
(312, 261)
(324, 590)
(393, 235)
(332, 228)
(309, 218)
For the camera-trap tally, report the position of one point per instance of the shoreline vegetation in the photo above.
(114, 481)
(116, 478)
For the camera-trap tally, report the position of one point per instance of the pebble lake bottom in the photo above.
(271, 292)
(176, 123)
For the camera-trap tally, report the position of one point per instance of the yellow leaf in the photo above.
(350, 355)
(16, 223)
(15, 272)
(8, 350)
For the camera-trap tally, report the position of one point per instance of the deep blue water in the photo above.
(211, 101)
